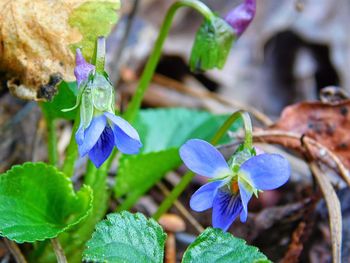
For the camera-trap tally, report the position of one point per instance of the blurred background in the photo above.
(291, 50)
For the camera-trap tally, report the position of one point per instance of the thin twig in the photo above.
(61, 257)
(173, 84)
(334, 210)
(269, 137)
(182, 209)
(15, 251)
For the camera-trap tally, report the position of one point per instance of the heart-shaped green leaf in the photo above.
(38, 202)
(214, 245)
(126, 237)
(162, 132)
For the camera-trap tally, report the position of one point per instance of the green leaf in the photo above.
(162, 132)
(214, 245)
(126, 237)
(212, 45)
(93, 19)
(64, 99)
(38, 202)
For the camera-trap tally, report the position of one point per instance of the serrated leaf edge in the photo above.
(83, 188)
(138, 216)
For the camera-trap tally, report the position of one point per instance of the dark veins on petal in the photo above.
(103, 148)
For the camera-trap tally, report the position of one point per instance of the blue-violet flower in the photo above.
(231, 184)
(100, 129)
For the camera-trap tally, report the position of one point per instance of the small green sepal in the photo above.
(212, 45)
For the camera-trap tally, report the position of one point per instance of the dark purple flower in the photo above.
(104, 132)
(241, 16)
(231, 187)
(82, 68)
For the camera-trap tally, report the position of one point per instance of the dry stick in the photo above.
(262, 135)
(61, 258)
(173, 84)
(182, 209)
(15, 251)
(334, 210)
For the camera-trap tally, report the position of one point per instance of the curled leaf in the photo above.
(327, 123)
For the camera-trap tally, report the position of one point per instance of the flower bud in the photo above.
(212, 45)
(82, 68)
(241, 16)
(102, 94)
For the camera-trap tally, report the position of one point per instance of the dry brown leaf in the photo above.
(328, 124)
(37, 39)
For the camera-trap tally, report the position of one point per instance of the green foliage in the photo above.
(65, 98)
(93, 18)
(38, 202)
(74, 241)
(162, 132)
(126, 237)
(214, 245)
(212, 45)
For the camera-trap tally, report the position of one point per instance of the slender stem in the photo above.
(151, 65)
(72, 150)
(224, 127)
(52, 140)
(90, 175)
(187, 178)
(15, 251)
(182, 209)
(61, 257)
(248, 130)
(51, 136)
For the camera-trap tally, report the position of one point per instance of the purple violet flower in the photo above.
(82, 68)
(240, 17)
(100, 129)
(231, 186)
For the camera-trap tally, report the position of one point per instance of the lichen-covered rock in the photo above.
(38, 39)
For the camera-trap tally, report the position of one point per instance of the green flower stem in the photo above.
(248, 129)
(96, 179)
(186, 179)
(72, 150)
(151, 65)
(52, 141)
(51, 137)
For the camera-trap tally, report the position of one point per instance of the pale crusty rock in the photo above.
(37, 40)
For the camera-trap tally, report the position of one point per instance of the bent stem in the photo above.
(61, 258)
(147, 74)
(186, 179)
